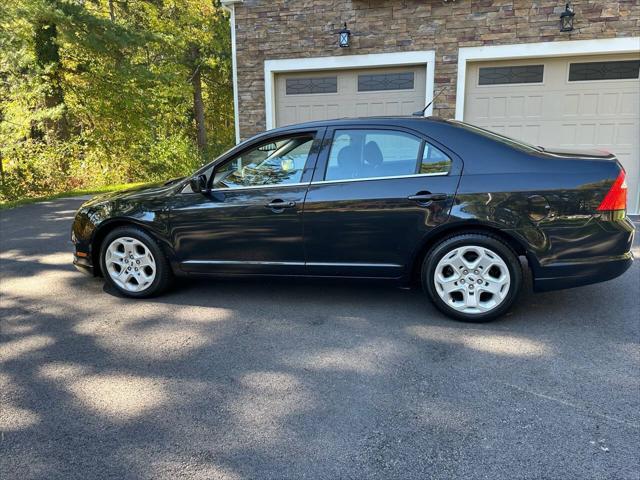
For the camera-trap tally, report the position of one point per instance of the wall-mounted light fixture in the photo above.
(343, 37)
(566, 19)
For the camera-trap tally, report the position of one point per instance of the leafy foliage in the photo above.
(94, 92)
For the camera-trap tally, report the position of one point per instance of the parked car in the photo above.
(459, 209)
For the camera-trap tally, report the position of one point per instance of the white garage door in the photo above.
(302, 97)
(571, 102)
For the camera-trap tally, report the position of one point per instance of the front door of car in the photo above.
(375, 194)
(251, 221)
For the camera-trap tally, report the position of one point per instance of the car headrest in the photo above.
(372, 153)
(348, 157)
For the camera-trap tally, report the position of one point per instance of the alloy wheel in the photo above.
(130, 264)
(472, 279)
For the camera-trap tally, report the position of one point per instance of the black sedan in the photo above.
(459, 209)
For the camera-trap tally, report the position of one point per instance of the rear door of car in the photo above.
(376, 193)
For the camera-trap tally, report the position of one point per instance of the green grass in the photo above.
(72, 193)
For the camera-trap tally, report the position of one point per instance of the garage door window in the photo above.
(358, 154)
(622, 70)
(511, 75)
(385, 81)
(306, 86)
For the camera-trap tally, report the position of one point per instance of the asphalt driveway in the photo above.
(289, 380)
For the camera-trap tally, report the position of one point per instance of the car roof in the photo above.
(400, 121)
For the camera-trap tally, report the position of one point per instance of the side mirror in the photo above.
(198, 184)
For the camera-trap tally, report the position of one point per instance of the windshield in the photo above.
(498, 138)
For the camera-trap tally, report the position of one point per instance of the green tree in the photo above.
(101, 91)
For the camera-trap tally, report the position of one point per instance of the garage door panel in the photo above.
(340, 96)
(534, 105)
(589, 104)
(479, 108)
(606, 134)
(629, 103)
(408, 108)
(376, 109)
(585, 134)
(561, 113)
(498, 107)
(516, 107)
(570, 104)
(332, 111)
(289, 114)
(362, 109)
(608, 103)
(568, 135)
(304, 113)
(627, 134)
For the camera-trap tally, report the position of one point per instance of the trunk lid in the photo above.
(579, 153)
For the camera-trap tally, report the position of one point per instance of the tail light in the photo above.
(616, 198)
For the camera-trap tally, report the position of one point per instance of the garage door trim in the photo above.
(343, 62)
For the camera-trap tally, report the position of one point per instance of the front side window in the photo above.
(277, 162)
(358, 154)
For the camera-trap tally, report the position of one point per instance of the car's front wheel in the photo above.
(133, 263)
(472, 277)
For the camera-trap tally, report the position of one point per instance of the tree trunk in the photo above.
(198, 107)
(47, 55)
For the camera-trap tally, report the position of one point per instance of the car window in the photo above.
(278, 162)
(434, 161)
(371, 154)
(523, 146)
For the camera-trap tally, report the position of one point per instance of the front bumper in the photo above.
(83, 264)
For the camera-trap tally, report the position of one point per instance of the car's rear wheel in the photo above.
(472, 277)
(133, 263)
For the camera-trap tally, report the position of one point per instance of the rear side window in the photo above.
(357, 154)
(525, 147)
(434, 161)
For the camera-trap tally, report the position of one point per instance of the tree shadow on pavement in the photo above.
(292, 379)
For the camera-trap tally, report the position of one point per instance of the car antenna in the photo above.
(420, 113)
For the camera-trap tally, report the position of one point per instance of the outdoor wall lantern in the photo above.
(343, 37)
(566, 19)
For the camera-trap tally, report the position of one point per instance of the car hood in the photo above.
(147, 191)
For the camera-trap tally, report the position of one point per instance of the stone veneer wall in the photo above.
(275, 29)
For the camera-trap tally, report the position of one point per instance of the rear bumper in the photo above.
(597, 251)
(584, 272)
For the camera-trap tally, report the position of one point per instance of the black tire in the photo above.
(164, 275)
(493, 243)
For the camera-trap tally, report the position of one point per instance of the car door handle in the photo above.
(280, 204)
(428, 197)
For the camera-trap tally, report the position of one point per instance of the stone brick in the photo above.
(273, 29)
